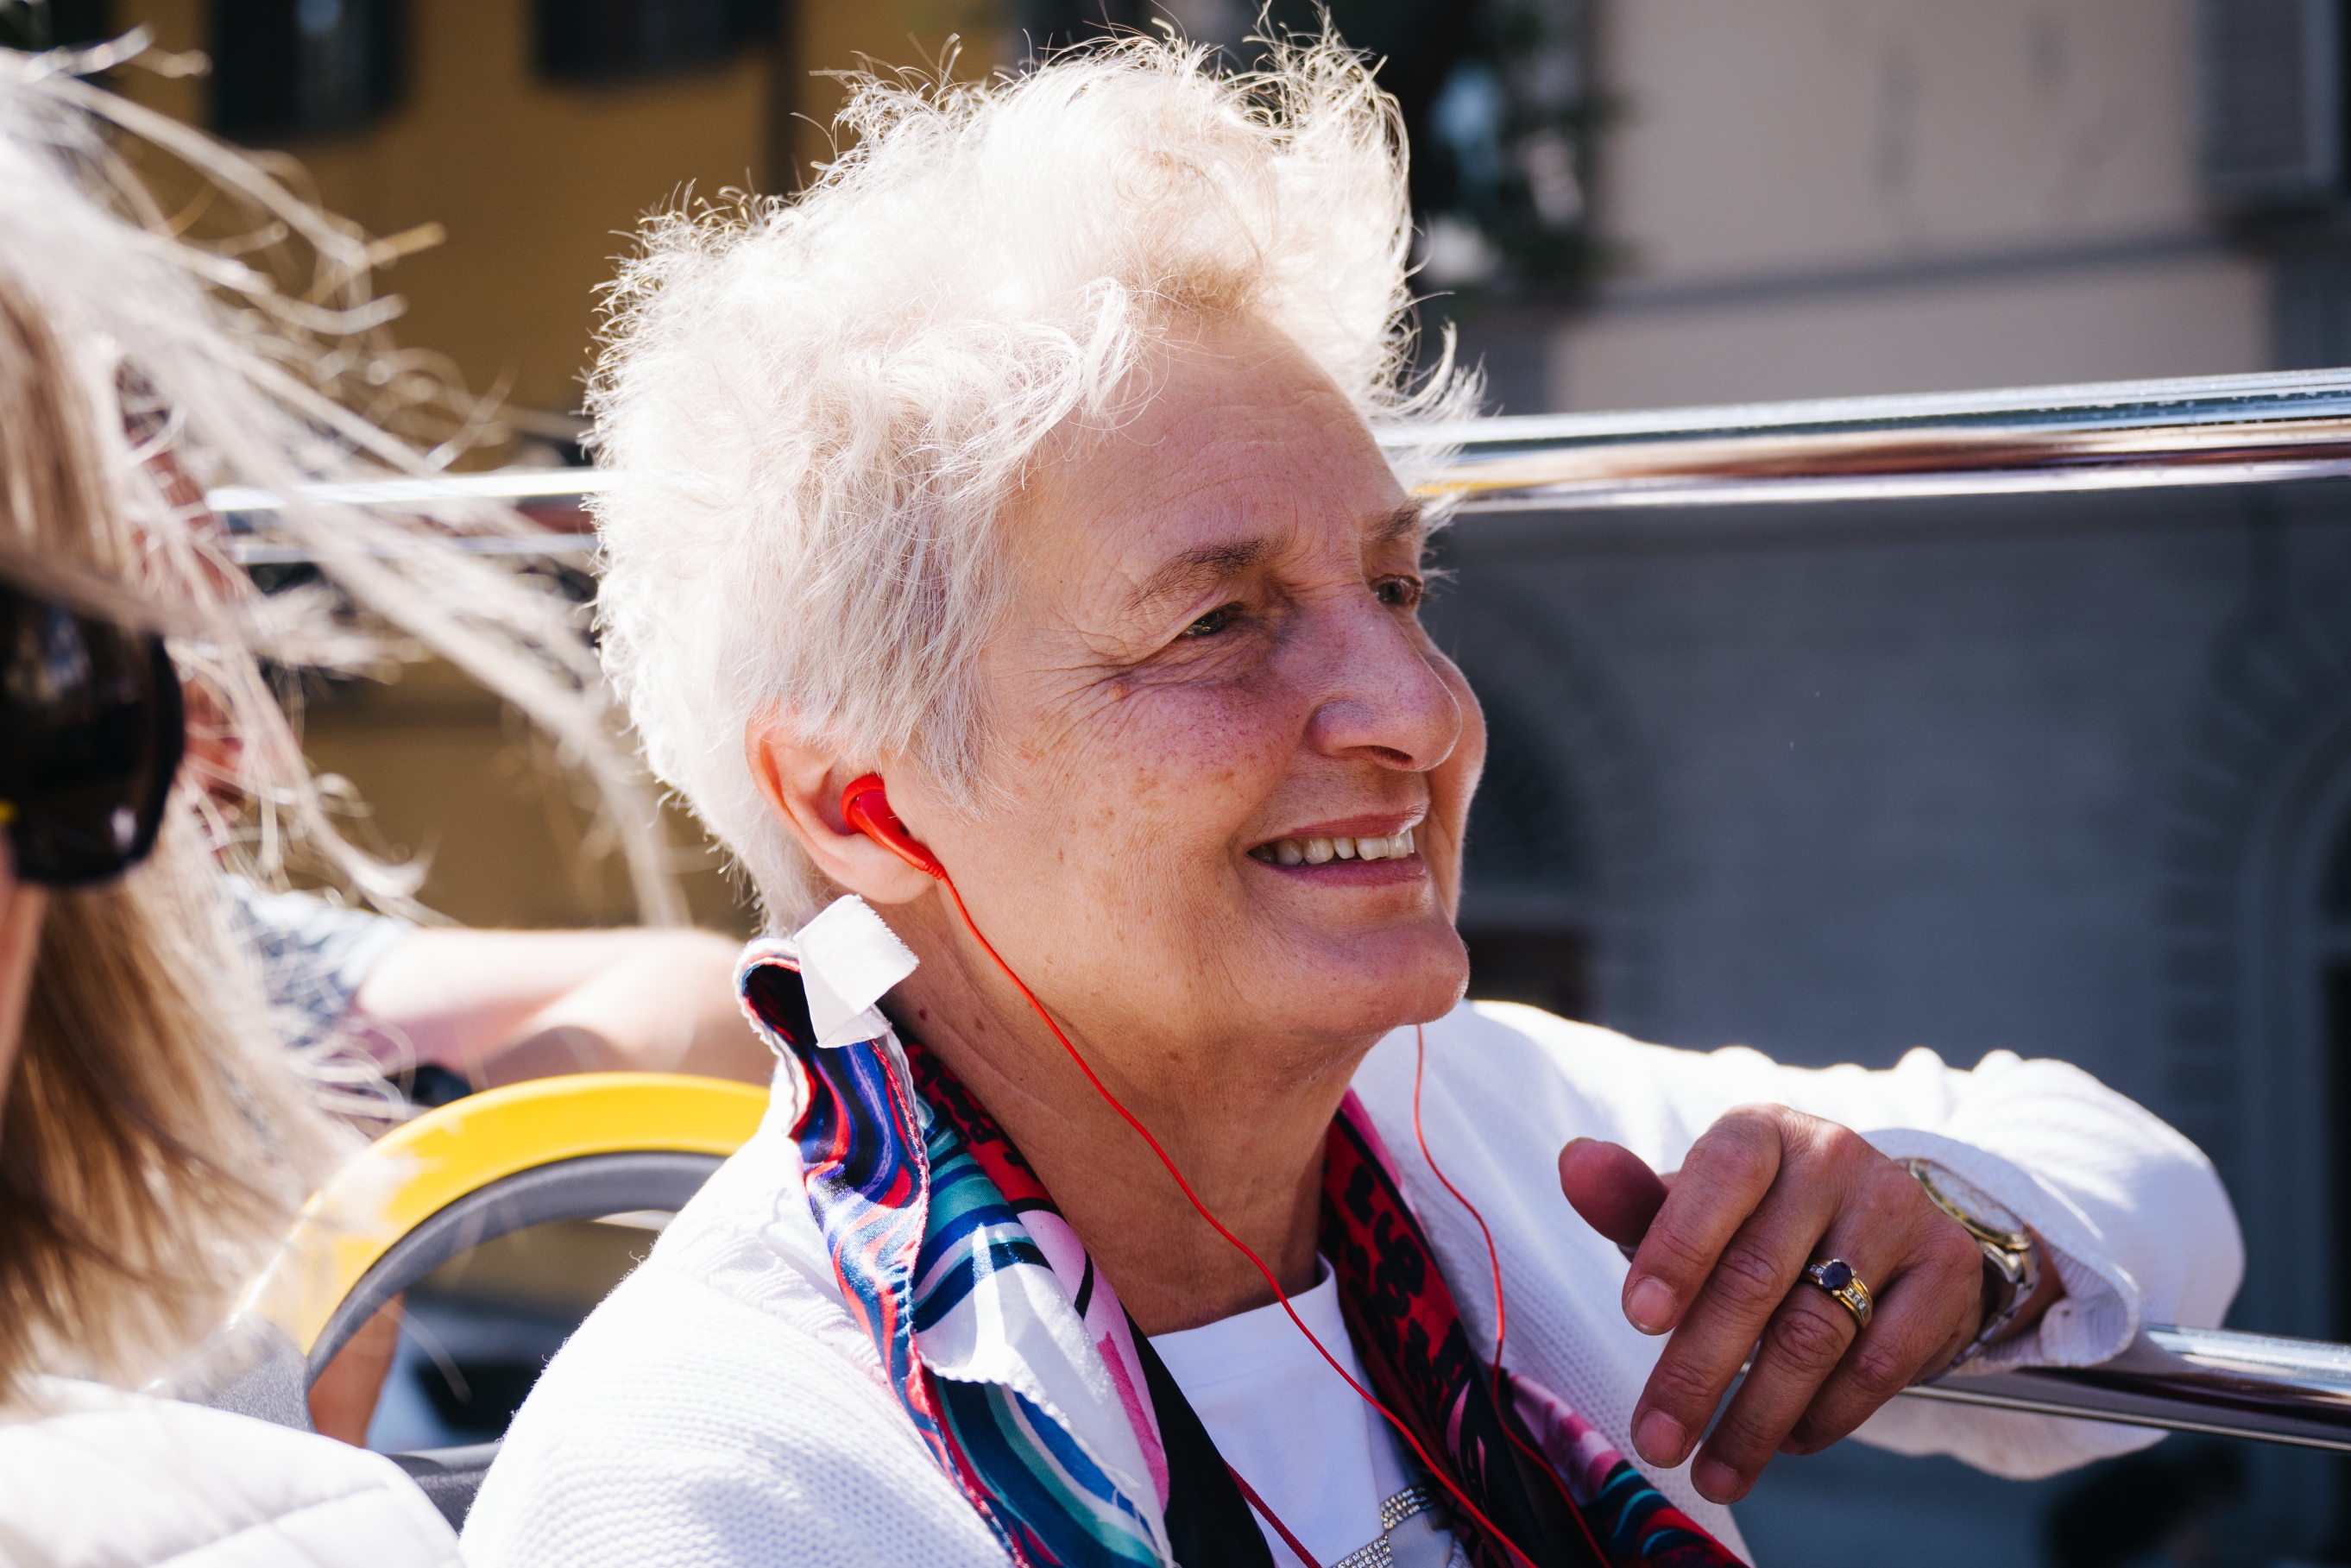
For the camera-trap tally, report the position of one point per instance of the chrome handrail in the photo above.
(2107, 436)
(2261, 1386)
(2211, 430)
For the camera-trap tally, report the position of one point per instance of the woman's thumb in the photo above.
(1611, 1188)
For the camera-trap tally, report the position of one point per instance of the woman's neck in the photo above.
(1249, 1138)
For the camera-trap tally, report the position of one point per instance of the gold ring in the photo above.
(1835, 1276)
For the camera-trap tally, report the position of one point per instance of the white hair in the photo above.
(816, 411)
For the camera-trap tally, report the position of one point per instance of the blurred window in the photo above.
(2274, 98)
(1526, 877)
(2273, 102)
(1502, 149)
(54, 24)
(305, 67)
(605, 41)
(1497, 105)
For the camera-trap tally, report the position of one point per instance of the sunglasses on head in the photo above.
(91, 730)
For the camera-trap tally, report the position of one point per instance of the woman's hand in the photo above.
(1722, 1246)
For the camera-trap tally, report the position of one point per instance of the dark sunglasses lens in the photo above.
(92, 729)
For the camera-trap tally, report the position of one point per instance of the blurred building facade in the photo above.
(2065, 777)
(1815, 198)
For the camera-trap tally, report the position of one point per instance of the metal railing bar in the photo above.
(2112, 435)
(1705, 490)
(497, 485)
(2175, 400)
(2214, 1381)
(2027, 1403)
(263, 552)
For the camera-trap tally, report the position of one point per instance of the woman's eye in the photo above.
(1402, 592)
(1214, 622)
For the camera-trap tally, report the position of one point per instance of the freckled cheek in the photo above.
(1185, 774)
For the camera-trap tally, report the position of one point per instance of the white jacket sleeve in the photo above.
(2132, 1215)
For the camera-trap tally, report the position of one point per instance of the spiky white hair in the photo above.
(817, 410)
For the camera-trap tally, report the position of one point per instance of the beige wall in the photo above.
(1764, 135)
(453, 780)
(1826, 196)
(539, 183)
(2203, 315)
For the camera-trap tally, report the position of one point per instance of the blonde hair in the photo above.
(241, 366)
(155, 1136)
(816, 411)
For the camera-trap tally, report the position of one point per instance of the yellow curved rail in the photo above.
(422, 1166)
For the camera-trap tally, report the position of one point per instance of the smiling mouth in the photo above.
(1320, 852)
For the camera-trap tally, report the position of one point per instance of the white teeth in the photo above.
(1320, 852)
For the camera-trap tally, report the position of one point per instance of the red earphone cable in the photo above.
(1273, 1519)
(1280, 1294)
(1493, 1258)
(1501, 1314)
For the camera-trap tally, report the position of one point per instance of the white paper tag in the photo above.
(849, 958)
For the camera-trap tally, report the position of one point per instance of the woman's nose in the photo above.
(1380, 698)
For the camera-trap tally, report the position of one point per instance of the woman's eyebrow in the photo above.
(1203, 565)
(1401, 523)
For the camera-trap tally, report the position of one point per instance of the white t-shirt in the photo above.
(1319, 1457)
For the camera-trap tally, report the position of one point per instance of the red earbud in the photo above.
(866, 808)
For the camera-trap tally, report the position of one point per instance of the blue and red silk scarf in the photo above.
(941, 1234)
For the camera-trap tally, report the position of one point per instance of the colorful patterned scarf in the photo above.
(1023, 1375)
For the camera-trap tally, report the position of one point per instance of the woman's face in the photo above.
(1213, 659)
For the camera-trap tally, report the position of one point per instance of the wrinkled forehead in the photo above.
(1232, 439)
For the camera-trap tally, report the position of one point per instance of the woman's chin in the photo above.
(1368, 984)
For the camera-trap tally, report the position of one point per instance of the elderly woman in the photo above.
(1001, 560)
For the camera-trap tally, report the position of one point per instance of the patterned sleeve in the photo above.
(314, 956)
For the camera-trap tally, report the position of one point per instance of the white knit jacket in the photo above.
(91, 1477)
(721, 1407)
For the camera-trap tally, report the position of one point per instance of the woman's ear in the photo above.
(803, 783)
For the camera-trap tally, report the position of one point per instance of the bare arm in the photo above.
(500, 1007)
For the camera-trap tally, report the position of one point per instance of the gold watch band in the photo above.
(2011, 1260)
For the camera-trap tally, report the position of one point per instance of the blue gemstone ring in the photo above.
(1835, 1276)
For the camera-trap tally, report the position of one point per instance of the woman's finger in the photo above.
(1611, 1188)
(1722, 1181)
(1751, 1279)
(1929, 1312)
(1818, 1373)
(1799, 1351)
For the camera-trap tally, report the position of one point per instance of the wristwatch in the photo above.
(2012, 1257)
